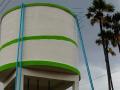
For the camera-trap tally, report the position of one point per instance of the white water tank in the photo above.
(50, 39)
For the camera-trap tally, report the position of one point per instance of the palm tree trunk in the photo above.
(108, 67)
(105, 47)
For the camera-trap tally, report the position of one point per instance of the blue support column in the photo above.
(20, 50)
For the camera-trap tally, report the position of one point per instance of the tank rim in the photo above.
(40, 4)
(42, 63)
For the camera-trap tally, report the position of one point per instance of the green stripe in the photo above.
(38, 38)
(41, 4)
(39, 63)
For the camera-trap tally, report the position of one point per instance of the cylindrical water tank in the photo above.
(50, 39)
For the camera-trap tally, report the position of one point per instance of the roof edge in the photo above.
(40, 4)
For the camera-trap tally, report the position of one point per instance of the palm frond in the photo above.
(93, 21)
(89, 15)
(116, 17)
(111, 52)
(99, 4)
(109, 8)
(98, 41)
(114, 43)
(106, 21)
(92, 9)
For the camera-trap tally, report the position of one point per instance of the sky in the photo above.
(94, 53)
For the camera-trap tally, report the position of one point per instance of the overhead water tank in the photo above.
(50, 40)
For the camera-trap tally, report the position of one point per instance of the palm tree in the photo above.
(113, 23)
(96, 14)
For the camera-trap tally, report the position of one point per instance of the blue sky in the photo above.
(94, 52)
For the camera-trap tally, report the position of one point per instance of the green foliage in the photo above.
(109, 38)
(100, 12)
(112, 22)
(97, 10)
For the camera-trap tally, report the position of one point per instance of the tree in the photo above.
(96, 14)
(113, 23)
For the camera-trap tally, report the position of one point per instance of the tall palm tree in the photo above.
(96, 14)
(113, 23)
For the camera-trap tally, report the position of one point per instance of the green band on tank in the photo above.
(47, 37)
(41, 4)
(43, 63)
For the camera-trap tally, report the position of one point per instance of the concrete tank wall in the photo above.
(50, 35)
